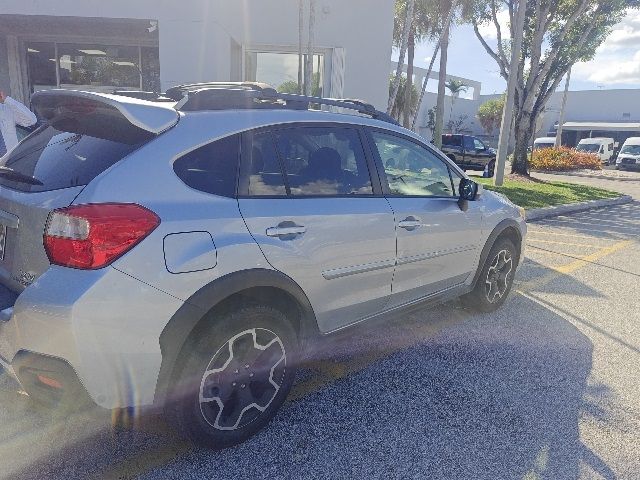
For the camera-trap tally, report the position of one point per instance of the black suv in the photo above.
(469, 153)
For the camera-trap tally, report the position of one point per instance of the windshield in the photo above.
(588, 147)
(631, 149)
(61, 159)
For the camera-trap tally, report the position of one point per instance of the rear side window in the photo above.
(469, 143)
(59, 158)
(323, 161)
(211, 168)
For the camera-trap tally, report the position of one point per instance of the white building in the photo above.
(154, 44)
(611, 113)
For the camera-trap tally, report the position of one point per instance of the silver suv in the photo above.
(186, 252)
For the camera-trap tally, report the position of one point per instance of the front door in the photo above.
(437, 242)
(309, 201)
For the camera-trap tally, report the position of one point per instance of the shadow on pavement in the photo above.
(441, 394)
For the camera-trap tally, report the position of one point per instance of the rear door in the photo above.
(309, 200)
(438, 243)
(47, 170)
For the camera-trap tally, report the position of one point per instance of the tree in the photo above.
(490, 114)
(458, 125)
(455, 87)
(422, 27)
(557, 34)
(431, 120)
(405, 102)
(404, 40)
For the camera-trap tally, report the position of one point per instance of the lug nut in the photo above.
(233, 384)
(251, 374)
(242, 386)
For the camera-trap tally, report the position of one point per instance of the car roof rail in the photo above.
(253, 95)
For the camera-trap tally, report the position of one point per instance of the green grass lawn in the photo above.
(543, 194)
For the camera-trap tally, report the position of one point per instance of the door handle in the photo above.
(286, 230)
(410, 223)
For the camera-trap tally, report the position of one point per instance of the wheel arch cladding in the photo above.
(239, 288)
(507, 228)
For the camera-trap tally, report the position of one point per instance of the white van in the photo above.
(544, 142)
(603, 147)
(629, 155)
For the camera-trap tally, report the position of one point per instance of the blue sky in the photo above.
(616, 64)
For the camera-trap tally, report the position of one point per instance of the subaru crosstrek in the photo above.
(186, 252)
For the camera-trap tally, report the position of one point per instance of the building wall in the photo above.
(200, 39)
(4, 67)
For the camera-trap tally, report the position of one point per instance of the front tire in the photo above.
(234, 377)
(495, 280)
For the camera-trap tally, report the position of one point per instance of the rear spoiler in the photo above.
(152, 117)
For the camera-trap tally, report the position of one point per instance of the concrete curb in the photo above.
(546, 212)
(590, 175)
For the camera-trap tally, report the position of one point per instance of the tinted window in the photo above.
(412, 169)
(469, 144)
(452, 140)
(61, 159)
(211, 168)
(324, 161)
(265, 173)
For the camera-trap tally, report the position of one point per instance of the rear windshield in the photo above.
(453, 140)
(60, 155)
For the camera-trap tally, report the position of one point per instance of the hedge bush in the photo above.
(563, 159)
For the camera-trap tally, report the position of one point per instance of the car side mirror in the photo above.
(469, 191)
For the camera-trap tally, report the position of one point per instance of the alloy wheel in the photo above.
(497, 281)
(242, 379)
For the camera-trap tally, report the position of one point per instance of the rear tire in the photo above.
(234, 377)
(495, 279)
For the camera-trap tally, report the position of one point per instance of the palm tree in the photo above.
(444, 34)
(404, 40)
(455, 87)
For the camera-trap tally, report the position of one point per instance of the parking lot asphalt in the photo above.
(545, 388)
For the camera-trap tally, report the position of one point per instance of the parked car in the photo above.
(544, 142)
(602, 147)
(186, 256)
(629, 155)
(469, 153)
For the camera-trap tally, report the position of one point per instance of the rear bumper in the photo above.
(101, 328)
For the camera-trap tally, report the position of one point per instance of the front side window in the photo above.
(323, 161)
(211, 168)
(412, 169)
(478, 144)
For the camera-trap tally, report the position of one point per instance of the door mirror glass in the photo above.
(468, 189)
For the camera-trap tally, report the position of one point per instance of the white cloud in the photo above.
(617, 60)
(488, 30)
(609, 69)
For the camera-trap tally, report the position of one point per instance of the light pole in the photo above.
(507, 114)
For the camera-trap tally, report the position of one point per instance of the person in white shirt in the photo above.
(12, 113)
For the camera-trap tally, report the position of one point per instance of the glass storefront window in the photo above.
(281, 70)
(92, 67)
(41, 65)
(98, 65)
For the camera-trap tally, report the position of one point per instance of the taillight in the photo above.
(94, 235)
